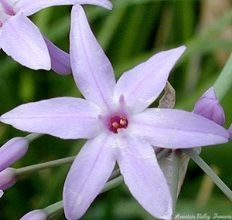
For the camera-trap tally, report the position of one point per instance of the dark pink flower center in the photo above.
(117, 122)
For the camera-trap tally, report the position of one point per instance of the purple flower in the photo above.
(22, 40)
(209, 107)
(38, 214)
(12, 151)
(118, 124)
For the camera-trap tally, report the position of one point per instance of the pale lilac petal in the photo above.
(209, 107)
(65, 117)
(12, 151)
(38, 214)
(7, 178)
(144, 178)
(22, 40)
(29, 7)
(87, 176)
(141, 85)
(92, 70)
(60, 60)
(169, 128)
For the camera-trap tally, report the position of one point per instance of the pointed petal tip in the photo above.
(93, 164)
(109, 5)
(92, 70)
(210, 93)
(104, 3)
(181, 49)
(28, 49)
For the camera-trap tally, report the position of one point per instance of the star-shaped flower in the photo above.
(22, 40)
(118, 124)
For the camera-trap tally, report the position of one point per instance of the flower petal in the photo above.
(29, 7)
(65, 117)
(169, 128)
(141, 85)
(144, 178)
(92, 70)
(60, 60)
(87, 176)
(22, 40)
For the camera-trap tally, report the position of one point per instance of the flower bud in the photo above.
(7, 178)
(38, 214)
(209, 107)
(1, 193)
(12, 151)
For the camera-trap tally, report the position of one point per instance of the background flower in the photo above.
(22, 40)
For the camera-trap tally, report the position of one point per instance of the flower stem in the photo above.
(175, 179)
(223, 82)
(112, 183)
(206, 168)
(54, 209)
(31, 137)
(41, 166)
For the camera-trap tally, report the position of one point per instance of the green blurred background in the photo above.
(130, 33)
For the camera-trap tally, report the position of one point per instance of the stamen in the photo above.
(117, 122)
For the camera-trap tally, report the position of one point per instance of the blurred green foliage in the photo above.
(129, 34)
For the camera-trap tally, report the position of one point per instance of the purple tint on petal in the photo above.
(22, 40)
(29, 7)
(87, 176)
(64, 117)
(209, 107)
(171, 128)
(7, 178)
(144, 178)
(12, 151)
(38, 214)
(92, 70)
(141, 85)
(60, 60)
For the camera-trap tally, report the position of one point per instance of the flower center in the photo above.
(117, 122)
